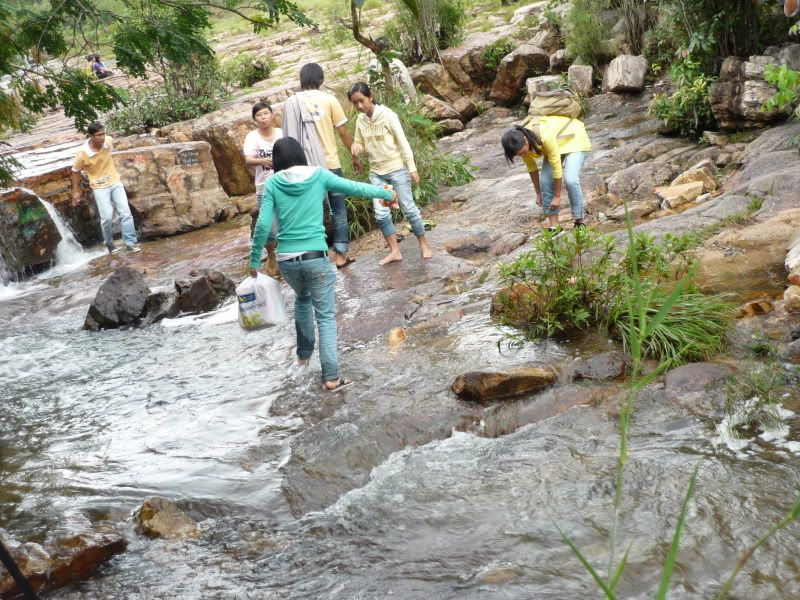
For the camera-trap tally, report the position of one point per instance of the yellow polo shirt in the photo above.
(328, 115)
(98, 166)
(573, 138)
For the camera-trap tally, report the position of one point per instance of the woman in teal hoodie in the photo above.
(297, 192)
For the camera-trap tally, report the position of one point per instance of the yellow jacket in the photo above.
(573, 138)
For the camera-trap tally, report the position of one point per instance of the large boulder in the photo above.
(120, 301)
(438, 110)
(637, 181)
(738, 96)
(28, 236)
(203, 291)
(580, 78)
(525, 61)
(625, 74)
(173, 188)
(466, 63)
(433, 79)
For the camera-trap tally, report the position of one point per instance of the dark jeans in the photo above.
(338, 208)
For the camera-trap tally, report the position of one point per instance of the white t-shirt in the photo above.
(256, 146)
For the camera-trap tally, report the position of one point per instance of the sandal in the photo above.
(349, 261)
(340, 385)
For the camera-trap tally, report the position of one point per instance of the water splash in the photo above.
(69, 252)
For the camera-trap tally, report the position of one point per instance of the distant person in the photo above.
(97, 67)
(562, 143)
(258, 155)
(326, 112)
(391, 161)
(94, 159)
(401, 78)
(274, 14)
(296, 193)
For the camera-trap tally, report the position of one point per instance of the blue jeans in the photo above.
(313, 284)
(273, 233)
(400, 180)
(338, 208)
(571, 164)
(112, 199)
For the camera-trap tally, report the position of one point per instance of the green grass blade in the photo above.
(595, 575)
(668, 304)
(620, 568)
(669, 565)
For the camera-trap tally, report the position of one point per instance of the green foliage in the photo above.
(578, 280)
(787, 81)
(585, 32)
(423, 27)
(245, 69)
(189, 91)
(165, 37)
(495, 52)
(687, 111)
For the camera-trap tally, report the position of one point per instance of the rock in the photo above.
(161, 305)
(395, 338)
(479, 386)
(546, 39)
(514, 69)
(69, 554)
(172, 188)
(205, 292)
(28, 236)
(677, 195)
(793, 349)
(756, 307)
(120, 301)
(686, 385)
(792, 262)
(449, 126)
(542, 83)
(715, 138)
(598, 367)
(695, 175)
(466, 108)
(580, 79)
(559, 61)
(158, 517)
(508, 243)
(487, 117)
(529, 11)
(433, 79)
(637, 181)
(739, 94)
(466, 64)
(470, 243)
(637, 210)
(625, 74)
(516, 305)
(791, 299)
(438, 110)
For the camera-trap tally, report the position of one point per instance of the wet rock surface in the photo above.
(70, 553)
(28, 237)
(160, 518)
(486, 387)
(120, 301)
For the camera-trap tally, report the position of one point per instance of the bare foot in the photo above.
(390, 258)
(425, 248)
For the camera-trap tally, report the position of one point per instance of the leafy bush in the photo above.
(787, 81)
(687, 111)
(423, 27)
(246, 69)
(189, 91)
(579, 280)
(585, 32)
(494, 53)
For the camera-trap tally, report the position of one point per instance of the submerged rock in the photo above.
(481, 386)
(70, 553)
(205, 292)
(120, 301)
(158, 517)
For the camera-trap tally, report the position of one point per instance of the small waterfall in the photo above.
(68, 252)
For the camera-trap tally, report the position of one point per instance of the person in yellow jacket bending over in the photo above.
(562, 143)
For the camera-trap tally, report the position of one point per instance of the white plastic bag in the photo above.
(260, 303)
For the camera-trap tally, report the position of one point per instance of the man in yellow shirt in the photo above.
(94, 159)
(329, 115)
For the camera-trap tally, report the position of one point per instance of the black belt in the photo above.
(307, 256)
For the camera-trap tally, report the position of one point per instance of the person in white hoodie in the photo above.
(391, 161)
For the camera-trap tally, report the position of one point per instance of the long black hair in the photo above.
(287, 153)
(514, 139)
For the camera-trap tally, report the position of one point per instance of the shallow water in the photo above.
(394, 508)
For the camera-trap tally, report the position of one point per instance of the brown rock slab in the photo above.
(678, 195)
(791, 299)
(481, 386)
(755, 308)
